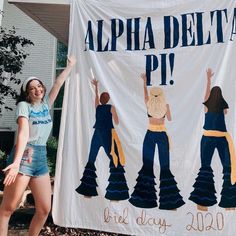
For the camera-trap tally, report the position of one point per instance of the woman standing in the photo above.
(144, 194)
(215, 136)
(105, 136)
(27, 161)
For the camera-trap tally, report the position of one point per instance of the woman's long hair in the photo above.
(24, 95)
(216, 102)
(156, 104)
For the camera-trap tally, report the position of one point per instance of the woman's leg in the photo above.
(11, 198)
(163, 150)
(170, 198)
(117, 188)
(94, 147)
(144, 194)
(41, 190)
(204, 188)
(149, 151)
(88, 185)
(228, 193)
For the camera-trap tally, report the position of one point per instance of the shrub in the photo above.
(3, 158)
(52, 145)
(12, 57)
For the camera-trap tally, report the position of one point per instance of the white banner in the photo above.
(138, 163)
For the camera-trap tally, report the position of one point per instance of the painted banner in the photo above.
(147, 139)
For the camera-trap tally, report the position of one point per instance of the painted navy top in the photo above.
(149, 116)
(215, 121)
(40, 122)
(103, 117)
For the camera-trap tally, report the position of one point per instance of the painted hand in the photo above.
(209, 73)
(144, 77)
(94, 82)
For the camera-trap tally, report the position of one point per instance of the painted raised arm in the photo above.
(144, 78)
(208, 87)
(95, 83)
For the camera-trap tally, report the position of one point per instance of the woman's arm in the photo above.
(61, 79)
(144, 78)
(114, 115)
(95, 83)
(208, 87)
(168, 113)
(21, 141)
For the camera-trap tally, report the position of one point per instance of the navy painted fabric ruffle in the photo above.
(169, 196)
(228, 193)
(144, 195)
(88, 181)
(117, 188)
(204, 188)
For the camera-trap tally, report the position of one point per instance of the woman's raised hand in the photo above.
(144, 77)
(11, 172)
(209, 73)
(94, 82)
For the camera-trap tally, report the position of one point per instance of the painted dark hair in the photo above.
(216, 103)
(24, 95)
(104, 98)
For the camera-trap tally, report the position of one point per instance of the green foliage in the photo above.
(52, 145)
(62, 51)
(3, 159)
(59, 100)
(12, 56)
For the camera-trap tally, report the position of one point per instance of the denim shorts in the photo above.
(38, 165)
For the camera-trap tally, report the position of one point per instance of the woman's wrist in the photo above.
(16, 162)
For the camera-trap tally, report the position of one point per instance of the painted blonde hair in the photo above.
(156, 104)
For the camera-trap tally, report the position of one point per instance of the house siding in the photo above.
(41, 59)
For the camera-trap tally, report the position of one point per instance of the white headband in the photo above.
(26, 82)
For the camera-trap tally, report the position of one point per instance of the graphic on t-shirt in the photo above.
(40, 121)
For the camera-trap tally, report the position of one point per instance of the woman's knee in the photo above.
(7, 209)
(43, 211)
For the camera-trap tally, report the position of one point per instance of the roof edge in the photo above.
(64, 2)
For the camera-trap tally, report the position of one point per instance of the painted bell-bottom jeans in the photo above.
(204, 192)
(144, 194)
(117, 188)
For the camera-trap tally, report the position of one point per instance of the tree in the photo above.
(12, 56)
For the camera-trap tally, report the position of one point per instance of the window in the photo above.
(60, 65)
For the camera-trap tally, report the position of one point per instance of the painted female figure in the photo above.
(144, 195)
(105, 136)
(215, 136)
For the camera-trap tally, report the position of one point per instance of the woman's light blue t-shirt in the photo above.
(40, 122)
